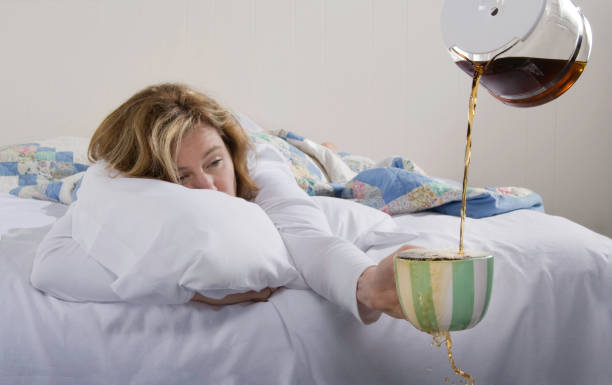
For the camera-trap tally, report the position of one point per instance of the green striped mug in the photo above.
(440, 291)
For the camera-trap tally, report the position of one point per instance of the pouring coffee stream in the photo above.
(478, 71)
(525, 53)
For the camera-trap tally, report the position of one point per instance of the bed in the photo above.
(549, 320)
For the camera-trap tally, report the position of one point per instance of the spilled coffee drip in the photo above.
(444, 337)
(440, 337)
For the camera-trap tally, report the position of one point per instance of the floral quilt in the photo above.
(396, 185)
(53, 170)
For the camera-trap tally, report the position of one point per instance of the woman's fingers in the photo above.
(263, 294)
(255, 296)
(376, 287)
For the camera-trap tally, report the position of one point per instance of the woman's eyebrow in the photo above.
(213, 148)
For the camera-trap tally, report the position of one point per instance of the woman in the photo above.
(173, 133)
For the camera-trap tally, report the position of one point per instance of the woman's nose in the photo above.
(205, 181)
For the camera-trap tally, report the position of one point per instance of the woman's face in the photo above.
(204, 161)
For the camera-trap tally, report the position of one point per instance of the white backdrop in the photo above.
(373, 76)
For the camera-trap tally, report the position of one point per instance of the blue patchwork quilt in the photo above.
(49, 170)
(394, 185)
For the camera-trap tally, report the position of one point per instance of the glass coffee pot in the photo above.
(532, 50)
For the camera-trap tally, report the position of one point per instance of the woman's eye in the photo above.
(216, 162)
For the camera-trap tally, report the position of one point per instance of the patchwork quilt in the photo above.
(395, 185)
(52, 170)
(48, 170)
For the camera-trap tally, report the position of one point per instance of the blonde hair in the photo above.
(142, 136)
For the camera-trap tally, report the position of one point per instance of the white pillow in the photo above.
(164, 241)
(362, 225)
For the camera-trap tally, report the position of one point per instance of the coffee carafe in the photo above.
(529, 51)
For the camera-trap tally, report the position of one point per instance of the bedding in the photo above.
(160, 242)
(549, 320)
(52, 169)
(394, 185)
(75, 276)
(48, 170)
(397, 185)
(163, 241)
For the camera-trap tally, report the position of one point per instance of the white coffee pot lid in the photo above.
(483, 26)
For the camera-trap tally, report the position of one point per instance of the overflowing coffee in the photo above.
(442, 291)
(525, 53)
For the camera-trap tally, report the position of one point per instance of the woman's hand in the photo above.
(255, 296)
(376, 286)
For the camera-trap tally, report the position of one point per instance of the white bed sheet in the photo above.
(549, 320)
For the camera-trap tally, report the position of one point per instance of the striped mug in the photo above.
(441, 291)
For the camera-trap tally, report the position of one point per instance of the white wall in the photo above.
(372, 76)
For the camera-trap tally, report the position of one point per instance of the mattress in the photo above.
(549, 319)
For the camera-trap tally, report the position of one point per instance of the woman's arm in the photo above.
(63, 269)
(333, 267)
(330, 265)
